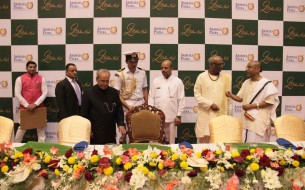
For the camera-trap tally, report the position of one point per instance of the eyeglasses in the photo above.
(133, 61)
(220, 64)
(72, 71)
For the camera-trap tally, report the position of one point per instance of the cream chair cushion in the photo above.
(6, 129)
(226, 129)
(74, 129)
(290, 127)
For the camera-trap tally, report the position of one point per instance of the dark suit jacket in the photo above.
(66, 99)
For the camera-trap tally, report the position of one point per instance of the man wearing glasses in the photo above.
(131, 82)
(209, 91)
(68, 93)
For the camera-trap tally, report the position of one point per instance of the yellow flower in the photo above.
(108, 171)
(268, 150)
(127, 166)
(134, 158)
(118, 161)
(71, 160)
(254, 166)
(94, 158)
(204, 169)
(160, 166)
(145, 170)
(235, 154)
(218, 151)
(5, 159)
(175, 157)
(252, 151)
(47, 159)
(222, 169)
(18, 155)
(296, 163)
(198, 154)
(184, 157)
(65, 167)
(79, 165)
(151, 176)
(282, 162)
(153, 155)
(4, 169)
(75, 167)
(153, 164)
(303, 156)
(184, 164)
(249, 157)
(57, 172)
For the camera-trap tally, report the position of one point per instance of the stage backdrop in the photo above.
(94, 33)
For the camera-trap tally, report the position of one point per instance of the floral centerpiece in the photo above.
(153, 168)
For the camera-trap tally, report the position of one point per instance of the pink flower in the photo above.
(296, 187)
(53, 150)
(43, 173)
(125, 159)
(233, 183)
(210, 156)
(110, 187)
(106, 151)
(27, 158)
(172, 184)
(80, 155)
(119, 175)
(274, 164)
(132, 151)
(259, 152)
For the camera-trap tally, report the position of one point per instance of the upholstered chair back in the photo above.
(74, 129)
(226, 129)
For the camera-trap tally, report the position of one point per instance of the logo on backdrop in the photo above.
(135, 4)
(190, 4)
(78, 57)
(295, 8)
(188, 31)
(244, 6)
(190, 56)
(3, 31)
(132, 29)
(22, 6)
(217, 31)
(103, 57)
(22, 32)
(51, 31)
(104, 5)
(160, 55)
(294, 58)
(267, 8)
(106, 30)
(244, 57)
(48, 57)
(4, 83)
(161, 5)
(50, 5)
(292, 83)
(270, 32)
(78, 4)
(293, 108)
(163, 30)
(267, 57)
(22, 58)
(292, 33)
(215, 5)
(242, 31)
(76, 30)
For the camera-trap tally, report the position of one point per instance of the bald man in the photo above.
(209, 91)
(263, 106)
(167, 94)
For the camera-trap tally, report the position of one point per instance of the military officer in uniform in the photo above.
(131, 82)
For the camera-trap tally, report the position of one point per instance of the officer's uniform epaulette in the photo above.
(141, 68)
(121, 69)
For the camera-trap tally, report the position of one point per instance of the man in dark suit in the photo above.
(68, 93)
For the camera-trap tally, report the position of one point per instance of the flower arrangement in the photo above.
(153, 168)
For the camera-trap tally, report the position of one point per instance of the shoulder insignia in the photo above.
(121, 69)
(141, 68)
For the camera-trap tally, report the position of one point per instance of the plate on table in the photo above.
(143, 146)
(45, 147)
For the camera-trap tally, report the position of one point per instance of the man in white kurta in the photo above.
(209, 91)
(262, 109)
(167, 94)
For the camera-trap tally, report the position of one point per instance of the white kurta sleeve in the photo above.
(44, 90)
(18, 89)
(198, 93)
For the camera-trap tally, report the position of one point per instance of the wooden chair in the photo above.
(290, 127)
(74, 129)
(6, 129)
(145, 123)
(226, 129)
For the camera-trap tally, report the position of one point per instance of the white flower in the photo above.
(36, 166)
(137, 179)
(186, 180)
(227, 155)
(271, 179)
(117, 150)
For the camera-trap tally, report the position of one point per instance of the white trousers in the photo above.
(40, 133)
(251, 136)
(170, 131)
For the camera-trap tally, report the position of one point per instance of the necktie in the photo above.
(77, 91)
